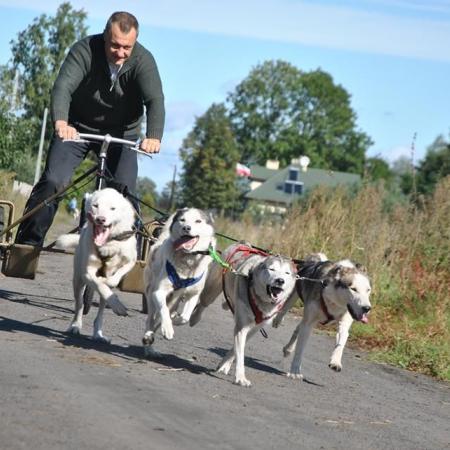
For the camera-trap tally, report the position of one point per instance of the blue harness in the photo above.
(177, 282)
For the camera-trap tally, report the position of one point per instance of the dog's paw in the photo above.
(224, 367)
(337, 367)
(242, 381)
(295, 375)
(287, 350)
(98, 337)
(167, 329)
(117, 306)
(149, 338)
(74, 329)
(178, 319)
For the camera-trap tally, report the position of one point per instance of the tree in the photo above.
(209, 154)
(37, 54)
(378, 169)
(170, 197)
(146, 191)
(435, 166)
(15, 141)
(279, 112)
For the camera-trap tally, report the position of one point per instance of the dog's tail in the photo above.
(68, 241)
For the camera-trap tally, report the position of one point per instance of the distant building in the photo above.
(274, 189)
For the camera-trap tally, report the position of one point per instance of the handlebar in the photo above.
(108, 139)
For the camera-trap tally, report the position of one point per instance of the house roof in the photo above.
(272, 190)
(261, 173)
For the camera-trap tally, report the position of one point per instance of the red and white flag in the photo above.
(242, 170)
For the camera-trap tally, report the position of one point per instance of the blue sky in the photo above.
(392, 56)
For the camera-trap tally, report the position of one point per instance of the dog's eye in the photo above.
(113, 208)
(354, 289)
(95, 205)
(198, 221)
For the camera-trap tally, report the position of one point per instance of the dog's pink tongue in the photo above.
(100, 235)
(185, 242)
(365, 318)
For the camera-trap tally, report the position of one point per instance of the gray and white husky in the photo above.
(331, 292)
(176, 272)
(255, 290)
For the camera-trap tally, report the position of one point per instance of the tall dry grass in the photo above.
(406, 250)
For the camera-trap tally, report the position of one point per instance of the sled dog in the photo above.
(176, 271)
(255, 290)
(331, 292)
(105, 250)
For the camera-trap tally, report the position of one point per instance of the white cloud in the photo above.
(330, 26)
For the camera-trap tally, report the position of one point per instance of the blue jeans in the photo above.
(62, 160)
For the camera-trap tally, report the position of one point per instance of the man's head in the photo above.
(120, 35)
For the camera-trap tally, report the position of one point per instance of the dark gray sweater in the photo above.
(84, 96)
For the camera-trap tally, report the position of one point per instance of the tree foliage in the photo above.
(280, 112)
(435, 166)
(15, 141)
(209, 154)
(378, 169)
(146, 191)
(26, 82)
(37, 54)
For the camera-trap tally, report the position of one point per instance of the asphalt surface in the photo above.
(61, 392)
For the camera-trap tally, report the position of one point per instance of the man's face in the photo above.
(119, 45)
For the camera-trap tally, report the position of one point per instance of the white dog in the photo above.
(105, 252)
(331, 292)
(176, 271)
(255, 290)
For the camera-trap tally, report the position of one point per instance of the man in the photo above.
(102, 87)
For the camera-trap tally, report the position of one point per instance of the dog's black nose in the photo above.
(186, 228)
(366, 309)
(279, 281)
(100, 220)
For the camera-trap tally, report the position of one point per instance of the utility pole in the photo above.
(37, 172)
(172, 189)
(413, 167)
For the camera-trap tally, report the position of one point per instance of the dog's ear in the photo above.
(176, 216)
(361, 268)
(207, 217)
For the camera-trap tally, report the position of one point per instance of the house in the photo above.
(273, 189)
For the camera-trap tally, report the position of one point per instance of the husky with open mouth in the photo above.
(176, 272)
(331, 292)
(255, 288)
(105, 252)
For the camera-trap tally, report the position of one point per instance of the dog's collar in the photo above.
(177, 281)
(323, 306)
(122, 236)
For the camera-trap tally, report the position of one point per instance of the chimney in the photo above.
(272, 164)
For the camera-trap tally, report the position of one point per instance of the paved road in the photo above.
(59, 392)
